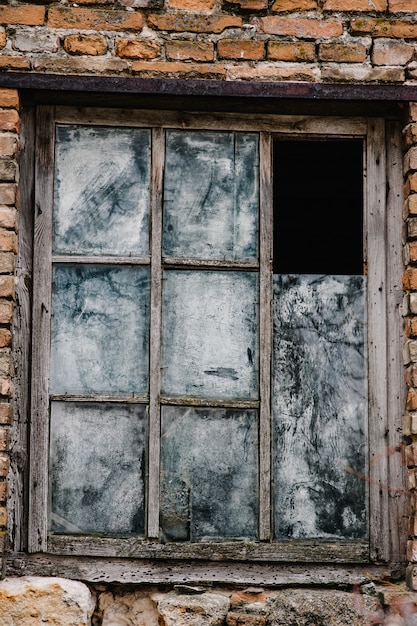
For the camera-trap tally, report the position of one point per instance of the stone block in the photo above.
(34, 600)
(207, 609)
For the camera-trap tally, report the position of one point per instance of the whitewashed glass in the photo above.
(211, 195)
(101, 191)
(209, 473)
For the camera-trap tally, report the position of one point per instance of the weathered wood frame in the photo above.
(383, 334)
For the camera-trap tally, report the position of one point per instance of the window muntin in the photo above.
(264, 279)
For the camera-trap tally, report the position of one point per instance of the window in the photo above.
(209, 336)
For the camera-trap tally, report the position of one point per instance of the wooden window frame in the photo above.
(382, 237)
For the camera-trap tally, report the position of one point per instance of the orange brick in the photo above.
(25, 14)
(6, 311)
(294, 5)
(412, 250)
(7, 193)
(288, 51)
(3, 516)
(402, 5)
(376, 27)
(8, 241)
(6, 413)
(251, 5)
(190, 50)
(9, 119)
(97, 19)
(9, 98)
(3, 38)
(4, 465)
(342, 53)
(193, 23)
(188, 70)
(137, 49)
(5, 338)
(410, 327)
(245, 49)
(14, 63)
(192, 5)
(93, 45)
(6, 388)
(268, 72)
(4, 491)
(8, 216)
(412, 111)
(410, 278)
(355, 5)
(301, 27)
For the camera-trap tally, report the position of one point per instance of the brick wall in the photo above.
(302, 40)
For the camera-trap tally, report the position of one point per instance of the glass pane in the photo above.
(319, 406)
(101, 191)
(100, 329)
(97, 468)
(209, 465)
(211, 195)
(210, 334)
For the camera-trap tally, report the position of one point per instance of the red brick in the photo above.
(6, 388)
(392, 52)
(294, 5)
(289, 51)
(193, 23)
(7, 193)
(24, 14)
(179, 70)
(6, 312)
(251, 5)
(9, 119)
(355, 5)
(14, 63)
(3, 516)
(411, 328)
(97, 19)
(245, 49)
(190, 50)
(7, 287)
(137, 49)
(4, 439)
(342, 53)
(8, 241)
(377, 27)
(8, 216)
(3, 38)
(192, 5)
(94, 45)
(5, 338)
(9, 98)
(410, 278)
(4, 491)
(4, 465)
(301, 27)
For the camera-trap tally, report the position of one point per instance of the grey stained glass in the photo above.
(209, 473)
(100, 329)
(101, 191)
(97, 468)
(211, 195)
(320, 406)
(210, 334)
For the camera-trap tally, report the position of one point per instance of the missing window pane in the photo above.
(318, 207)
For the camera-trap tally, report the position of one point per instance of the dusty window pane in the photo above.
(211, 195)
(100, 329)
(210, 334)
(97, 468)
(209, 473)
(101, 191)
(320, 406)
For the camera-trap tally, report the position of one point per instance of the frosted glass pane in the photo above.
(101, 190)
(100, 329)
(319, 406)
(211, 195)
(97, 468)
(210, 334)
(209, 464)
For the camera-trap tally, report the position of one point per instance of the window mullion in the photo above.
(265, 339)
(42, 270)
(158, 158)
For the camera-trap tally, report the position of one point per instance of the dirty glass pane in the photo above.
(319, 406)
(97, 468)
(211, 195)
(209, 473)
(101, 190)
(100, 329)
(210, 334)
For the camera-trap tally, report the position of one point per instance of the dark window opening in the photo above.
(318, 207)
